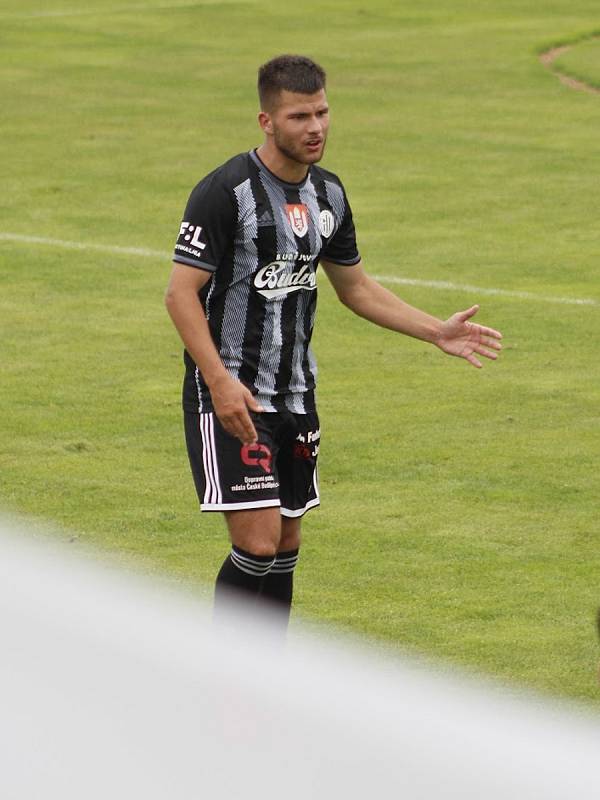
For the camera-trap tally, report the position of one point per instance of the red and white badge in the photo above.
(298, 218)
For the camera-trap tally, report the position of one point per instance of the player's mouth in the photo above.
(314, 145)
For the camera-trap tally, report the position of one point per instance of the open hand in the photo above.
(459, 337)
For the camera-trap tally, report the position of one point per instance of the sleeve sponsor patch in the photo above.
(189, 240)
(208, 226)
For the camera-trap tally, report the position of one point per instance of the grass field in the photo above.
(460, 507)
(582, 61)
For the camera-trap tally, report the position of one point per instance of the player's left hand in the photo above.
(459, 337)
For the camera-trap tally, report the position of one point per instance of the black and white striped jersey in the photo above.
(262, 238)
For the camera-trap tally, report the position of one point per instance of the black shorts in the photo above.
(279, 470)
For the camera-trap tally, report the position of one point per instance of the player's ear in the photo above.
(265, 122)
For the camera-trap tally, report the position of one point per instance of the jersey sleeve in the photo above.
(208, 226)
(342, 247)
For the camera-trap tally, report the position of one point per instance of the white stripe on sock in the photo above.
(253, 561)
(251, 567)
(285, 562)
(283, 565)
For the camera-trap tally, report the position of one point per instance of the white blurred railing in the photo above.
(111, 687)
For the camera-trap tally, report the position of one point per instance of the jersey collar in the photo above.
(259, 163)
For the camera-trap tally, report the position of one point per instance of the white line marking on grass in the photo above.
(458, 287)
(102, 248)
(443, 285)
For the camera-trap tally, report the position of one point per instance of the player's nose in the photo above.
(315, 125)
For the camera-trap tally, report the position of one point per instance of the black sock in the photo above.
(241, 577)
(278, 585)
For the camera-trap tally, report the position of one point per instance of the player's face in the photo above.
(299, 125)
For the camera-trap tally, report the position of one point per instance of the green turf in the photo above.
(582, 61)
(459, 513)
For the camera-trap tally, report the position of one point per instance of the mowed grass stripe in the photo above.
(88, 12)
(442, 285)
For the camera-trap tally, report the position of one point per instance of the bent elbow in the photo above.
(170, 299)
(348, 299)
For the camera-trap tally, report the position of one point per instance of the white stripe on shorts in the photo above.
(213, 451)
(207, 481)
(316, 501)
(212, 492)
(298, 512)
(239, 506)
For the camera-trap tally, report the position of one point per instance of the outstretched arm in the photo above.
(456, 336)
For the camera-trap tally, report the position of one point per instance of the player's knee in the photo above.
(290, 533)
(290, 541)
(262, 547)
(256, 539)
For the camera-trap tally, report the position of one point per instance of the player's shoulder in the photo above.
(321, 174)
(227, 175)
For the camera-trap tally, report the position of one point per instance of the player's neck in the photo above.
(280, 165)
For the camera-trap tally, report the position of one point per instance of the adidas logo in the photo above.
(266, 218)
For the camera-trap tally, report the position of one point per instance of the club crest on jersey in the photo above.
(326, 223)
(297, 214)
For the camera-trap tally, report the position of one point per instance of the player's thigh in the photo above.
(256, 531)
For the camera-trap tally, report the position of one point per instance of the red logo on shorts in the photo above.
(302, 451)
(257, 455)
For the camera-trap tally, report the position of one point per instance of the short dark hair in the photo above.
(293, 73)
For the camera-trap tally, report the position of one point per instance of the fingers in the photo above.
(469, 340)
(238, 422)
(493, 343)
(240, 425)
(474, 361)
(489, 332)
(482, 351)
(252, 402)
(463, 316)
(232, 402)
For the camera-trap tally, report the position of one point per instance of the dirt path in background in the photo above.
(548, 58)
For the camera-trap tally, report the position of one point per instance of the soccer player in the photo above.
(242, 295)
